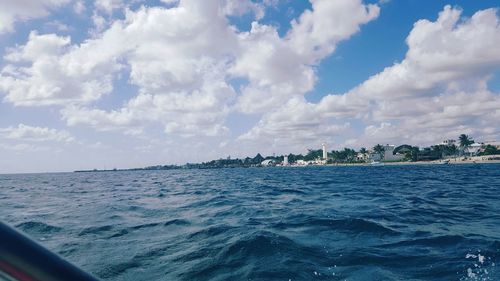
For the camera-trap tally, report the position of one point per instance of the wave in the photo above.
(444, 240)
(292, 191)
(167, 223)
(176, 222)
(355, 225)
(146, 225)
(95, 230)
(259, 255)
(211, 232)
(114, 270)
(36, 227)
(262, 243)
(119, 233)
(127, 230)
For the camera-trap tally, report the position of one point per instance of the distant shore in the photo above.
(452, 161)
(411, 163)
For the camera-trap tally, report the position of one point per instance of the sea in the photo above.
(421, 222)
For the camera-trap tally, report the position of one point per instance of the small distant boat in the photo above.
(444, 162)
(376, 163)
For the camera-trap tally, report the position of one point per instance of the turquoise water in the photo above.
(316, 223)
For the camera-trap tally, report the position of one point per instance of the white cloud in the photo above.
(79, 7)
(108, 6)
(315, 34)
(23, 10)
(181, 59)
(279, 69)
(242, 7)
(438, 90)
(184, 57)
(275, 72)
(178, 58)
(35, 134)
(186, 114)
(295, 126)
(48, 70)
(58, 25)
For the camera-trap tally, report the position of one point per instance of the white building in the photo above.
(268, 162)
(388, 153)
(449, 142)
(285, 160)
(493, 143)
(362, 156)
(325, 153)
(473, 149)
(301, 163)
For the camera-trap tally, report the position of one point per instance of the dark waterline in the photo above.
(315, 223)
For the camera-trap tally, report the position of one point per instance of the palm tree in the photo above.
(410, 152)
(363, 151)
(465, 141)
(379, 149)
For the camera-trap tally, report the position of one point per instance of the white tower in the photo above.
(325, 154)
(285, 160)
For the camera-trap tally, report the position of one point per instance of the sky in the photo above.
(131, 83)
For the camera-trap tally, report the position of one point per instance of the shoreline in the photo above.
(423, 163)
(490, 159)
(452, 161)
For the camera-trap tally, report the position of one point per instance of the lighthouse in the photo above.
(325, 154)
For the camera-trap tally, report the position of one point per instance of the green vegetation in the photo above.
(346, 155)
(465, 141)
(313, 154)
(490, 150)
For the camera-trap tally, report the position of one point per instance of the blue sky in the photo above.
(118, 83)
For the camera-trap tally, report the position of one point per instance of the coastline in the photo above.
(491, 159)
(452, 161)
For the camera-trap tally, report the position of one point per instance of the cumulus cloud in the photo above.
(48, 70)
(316, 33)
(108, 6)
(177, 57)
(294, 126)
(35, 134)
(182, 60)
(23, 10)
(279, 69)
(192, 68)
(79, 7)
(438, 90)
(185, 114)
(242, 7)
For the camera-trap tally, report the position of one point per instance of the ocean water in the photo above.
(317, 223)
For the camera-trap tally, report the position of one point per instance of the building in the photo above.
(449, 142)
(268, 162)
(285, 160)
(372, 156)
(473, 149)
(362, 156)
(493, 143)
(325, 153)
(301, 163)
(389, 153)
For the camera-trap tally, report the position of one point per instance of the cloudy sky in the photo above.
(129, 83)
